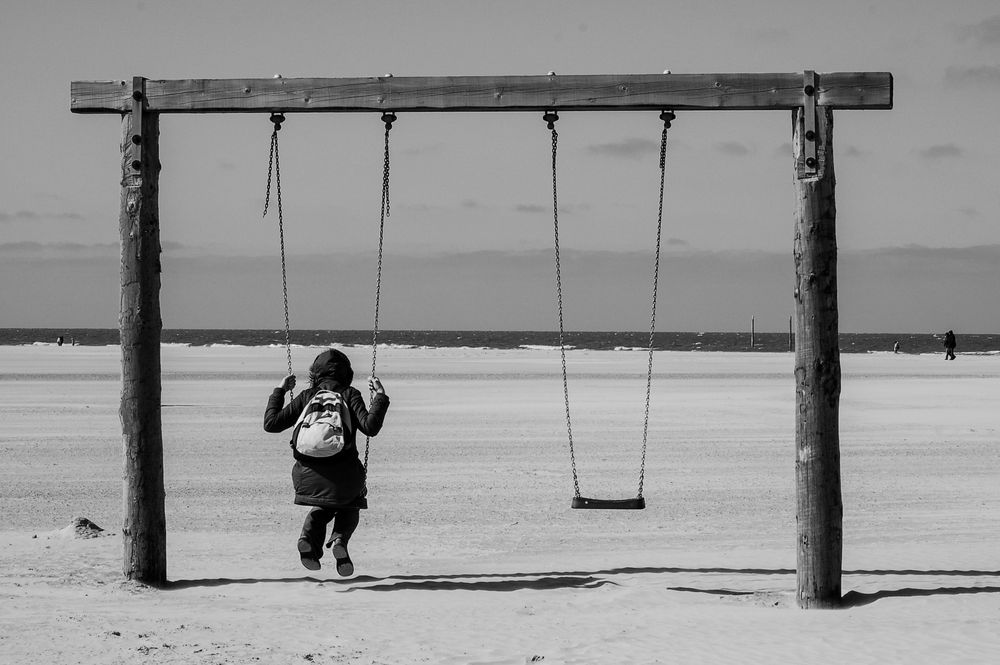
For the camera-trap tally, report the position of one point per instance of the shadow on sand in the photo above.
(858, 599)
(442, 583)
(594, 579)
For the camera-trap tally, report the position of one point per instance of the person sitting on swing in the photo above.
(332, 480)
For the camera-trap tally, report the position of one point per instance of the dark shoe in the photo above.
(307, 556)
(345, 568)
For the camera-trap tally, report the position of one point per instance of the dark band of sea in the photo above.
(772, 342)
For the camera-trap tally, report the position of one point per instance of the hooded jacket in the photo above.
(338, 480)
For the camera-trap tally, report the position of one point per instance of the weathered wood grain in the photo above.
(819, 506)
(144, 526)
(860, 90)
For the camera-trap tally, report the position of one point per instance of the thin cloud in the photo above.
(628, 149)
(984, 33)
(466, 204)
(32, 248)
(172, 246)
(984, 76)
(421, 207)
(28, 248)
(733, 148)
(533, 209)
(854, 151)
(19, 216)
(530, 208)
(941, 151)
(20, 247)
(32, 216)
(981, 255)
(677, 242)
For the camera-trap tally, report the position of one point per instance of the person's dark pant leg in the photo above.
(314, 527)
(345, 523)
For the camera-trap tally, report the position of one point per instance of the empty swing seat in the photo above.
(636, 503)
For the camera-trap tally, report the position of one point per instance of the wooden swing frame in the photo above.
(811, 98)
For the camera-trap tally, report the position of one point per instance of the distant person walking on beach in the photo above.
(895, 347)
(949, 345)
(327, 474)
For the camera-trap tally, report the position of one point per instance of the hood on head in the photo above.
(331, 366)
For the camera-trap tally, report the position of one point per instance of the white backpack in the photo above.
(321, 429)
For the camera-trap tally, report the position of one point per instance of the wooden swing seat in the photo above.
(635, 503)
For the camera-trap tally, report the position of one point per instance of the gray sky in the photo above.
(469, 238)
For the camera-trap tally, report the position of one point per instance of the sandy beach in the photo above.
(470, 552)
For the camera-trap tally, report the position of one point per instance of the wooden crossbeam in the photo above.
(704, 92)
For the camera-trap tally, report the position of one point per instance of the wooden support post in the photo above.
(144, 532)
(819, 510)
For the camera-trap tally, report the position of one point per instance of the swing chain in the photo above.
(550, 119)
(666, 117)
(274, 165)
(388, 118)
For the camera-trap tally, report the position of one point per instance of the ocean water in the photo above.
(505, 339)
